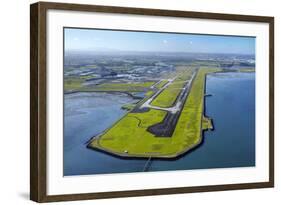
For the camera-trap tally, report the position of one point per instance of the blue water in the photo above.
(86, 115)
(231, 144)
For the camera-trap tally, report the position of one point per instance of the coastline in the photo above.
(95, 139)
(109, 92)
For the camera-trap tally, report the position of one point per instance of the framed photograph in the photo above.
(135, 102)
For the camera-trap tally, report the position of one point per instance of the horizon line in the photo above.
(134, 51)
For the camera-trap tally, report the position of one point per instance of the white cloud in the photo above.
(165, 41)
(190, 42)
(76, 39)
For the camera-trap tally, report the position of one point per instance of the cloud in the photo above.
(165, 41)
(190, 42)
(76, 39)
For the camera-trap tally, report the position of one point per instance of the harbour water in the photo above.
(232, 143)
(86, 115)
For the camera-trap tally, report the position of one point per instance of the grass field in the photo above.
(247, 70)
(149, 93)
(161, 84)
(76, 84)
(168, 96)
(126, 87)
(129, 133)
(206, 123)
(73, 84)
(129, 137)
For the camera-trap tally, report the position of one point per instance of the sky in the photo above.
(109, 40)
